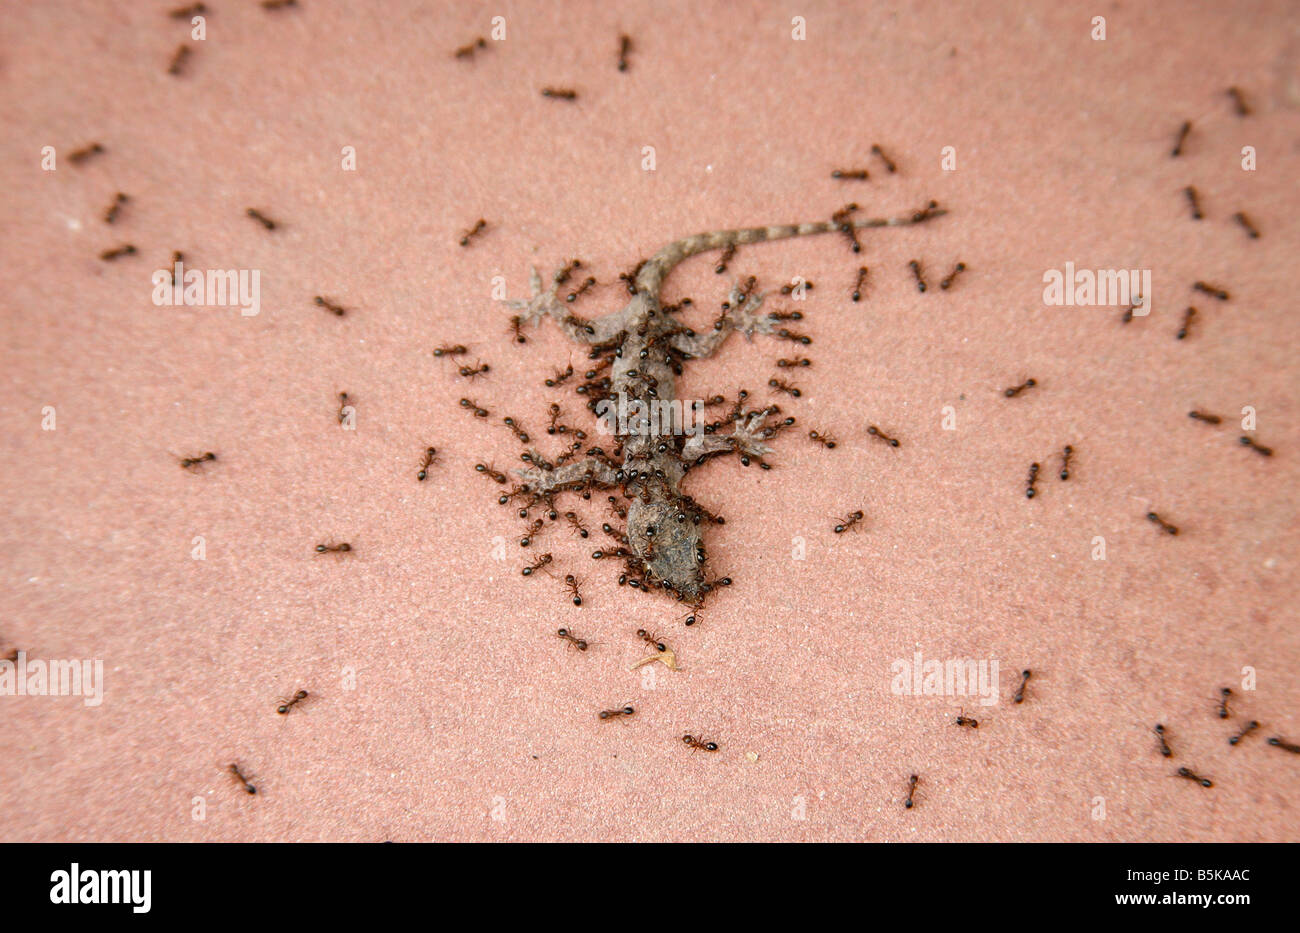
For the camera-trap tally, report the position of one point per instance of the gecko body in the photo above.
(663, 546)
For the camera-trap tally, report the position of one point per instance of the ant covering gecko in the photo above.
(647, 347)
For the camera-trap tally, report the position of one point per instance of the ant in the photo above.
(1164, 525)
(193, 463)
(964, 720)
(111, 214)
(850, 522)
(478, 412)
(1164, 746)
(616, 713)
(952, 276)
(1212, 290)
(695, 743)
(1182, 138)
(560, 93)
(651, 639)
(1238, 102)
(576, 523)
(1020, 691)
(527, 539)
(331, 306)
(1187, 323)
(81, 155)
(787, 289)
(1224, 694)
(782, 386)
(185, 12)
(1194, 201)
(488, 471)
(1066, 454)
(239, 776)
(1202, 416)
(445, 350)
(177, 256)
(856, 174)
(725, 258)
(876, 432)
(889, 165)
(467, 51)
(924, 213)
(343, 548)
(343, 405)
(786, 364)
(286, 705)
(1277, 742)
(1033, 478)
(911, 789)
(11, 657)
(517, 428)
(278, 4)
(479, 226)
(571, 583)
(857, 286)
(825, 440)
(916, 272)
(538, 564)
(1245, 731)
(261, 218)
(178, 61)
(469, 372)
(560, 377)
(582, 289)
(563, 275)
(624, 46)
(1258, 448)
(109, 255)
(1246, 224)
(1193, 776)
(1016, 390)
(572, 639)
(430, 458)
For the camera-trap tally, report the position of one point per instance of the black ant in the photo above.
(456, 350)
(1033, 478)
(291, 702)
(1164, 746)
(844, 221)
(538, 564)
(624, 46)
(1277, 742)
(1224, 694)
(1193, 776)
(952, 276)
(473, 231)
(915, 266)
(343, 548)
(825, 440)
(239, 776)
(964, 720)
(193, 463)
(850, 522)
(1245, 731)
(572, 639)
(1258, 448)
(110, 215)
(1187, 323)
(261, 218)
(1020, 691)
(1194, 200)
(782, 386)
(1066, 454)
(1182, 138)
(1202, 416)
(616, 713)
(331, 306)
(1016, 390)
(876, 432)
(1164, 525)
(696, 744)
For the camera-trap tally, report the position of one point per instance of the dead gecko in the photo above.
(644, 347)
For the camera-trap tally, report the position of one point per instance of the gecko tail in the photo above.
(656, 269)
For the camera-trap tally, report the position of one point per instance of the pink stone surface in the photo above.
(443, 708)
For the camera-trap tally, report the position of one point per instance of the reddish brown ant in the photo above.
(445, 350)
(343, 405)
(1066, 454)
(1202, 416)
(1164, 525)
(1258, 448)
(261, 218)
(1238, 102)
(725, 258)
(478, 369)
(109, 255)
(915, 266)
(1193, 199)
(1182, 138)
(487, 470)
(952, 276)
(571, 583)
(784, 364)
(572, 639)
(1246, 225)
(331, 306)
(1016, 390)
(193, 463)
(233, 769)
(560, 377)
(1278, 742)
(1193, 776)
(538, 564)
(178, 62)
(1033, 478)
(911, 789)
(467, 51)
(560, 93)
(343, 548)
(474, 406)
(430, 458)
(964, 720)
(889, 165)
(696, 744)
(825, 440)
(1212, 290)
(624, 46)
(287, 704)
(651, 639)
(532, 531)
(1164, 746)
(1224, 695)
(1245, 731)
(616, 713)
(863, 271)
(81, 155)
(850, 522)
(1020, 691)
(516, 428)
(479, 226)
(115, 208)
(782, 386)
(877, 433)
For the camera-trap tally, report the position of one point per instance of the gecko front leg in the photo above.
(589, 473)
(546, 302)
